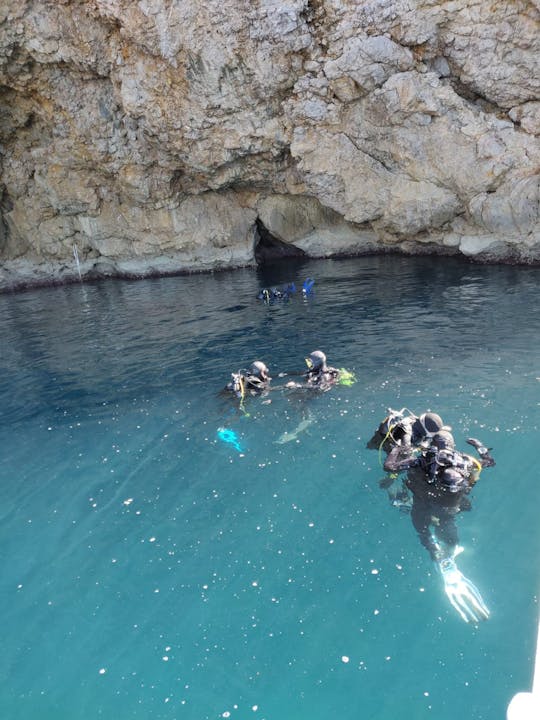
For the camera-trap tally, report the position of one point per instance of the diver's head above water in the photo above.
(259, 370)
(316, 362)
(427, 425)
(444, 440)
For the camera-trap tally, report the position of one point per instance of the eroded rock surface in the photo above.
(155, 136)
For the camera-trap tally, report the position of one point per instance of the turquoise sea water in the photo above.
(150, 571)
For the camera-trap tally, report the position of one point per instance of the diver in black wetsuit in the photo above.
(404, 429)
(320, 375)
(439, 478)
(254, 381)
(397, 428)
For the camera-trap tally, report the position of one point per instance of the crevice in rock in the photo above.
(177, 182)
(427, 54)
(314, 13)
(254, 171)
(269, 248)
(475, 98)
(6, 206)
(320, 23)
(377, 156)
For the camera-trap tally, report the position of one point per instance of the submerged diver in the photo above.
(404, 429)
(440, 478)
(254, 381)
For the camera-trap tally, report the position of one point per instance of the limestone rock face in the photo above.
(155, 136)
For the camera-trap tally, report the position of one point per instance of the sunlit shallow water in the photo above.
(152, 571)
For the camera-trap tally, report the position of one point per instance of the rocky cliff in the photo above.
(149, 136)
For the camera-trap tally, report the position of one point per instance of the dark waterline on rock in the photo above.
(276, 261)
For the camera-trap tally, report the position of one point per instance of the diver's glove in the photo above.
(483, 451)
(394, 417)
(462, 593)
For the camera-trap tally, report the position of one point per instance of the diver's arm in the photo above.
(485, 458)
(252, 382)
(327, 381)
(404, 427)
(400, 458)
(376, 441)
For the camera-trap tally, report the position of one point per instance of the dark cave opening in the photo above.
(269, 249)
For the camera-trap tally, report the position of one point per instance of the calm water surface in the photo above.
(152, 572)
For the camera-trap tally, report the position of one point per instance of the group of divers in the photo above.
(438, 477)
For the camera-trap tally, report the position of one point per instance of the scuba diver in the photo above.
(404, 429)
(269, 295)
(399, 428)
(254, 381)
(320, 375)
(440, 478)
